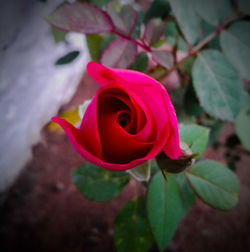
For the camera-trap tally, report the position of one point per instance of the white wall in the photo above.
(32, 88)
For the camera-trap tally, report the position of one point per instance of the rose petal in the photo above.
(74, 136)
(101, 74)
(119, 146)
(89, 130)
(151, 124)
(144, 85)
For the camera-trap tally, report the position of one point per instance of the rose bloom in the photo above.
(130, 120)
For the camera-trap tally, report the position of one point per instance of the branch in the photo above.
(193, 51)
(142, 45)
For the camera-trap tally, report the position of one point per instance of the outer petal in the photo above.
(101, 74)
(89, 129)
(75, 138)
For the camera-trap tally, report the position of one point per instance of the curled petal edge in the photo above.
(74, 134)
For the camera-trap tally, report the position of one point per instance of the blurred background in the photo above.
(40, 209)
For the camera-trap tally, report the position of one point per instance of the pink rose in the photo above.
(129, 121)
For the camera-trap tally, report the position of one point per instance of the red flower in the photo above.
(129, 121)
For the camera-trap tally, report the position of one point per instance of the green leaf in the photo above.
(235, 43)
(141, 63)
(153, 31)
(120, 53)
(191, 103)
(217, 85)
(132, 232)
(242, 123)
(186, 193)
(215, 127)
(163, 58)
(177, 97)
(154, 168)
(68, 58)
(187, 19)
(173, 37)
(206, 30)
(182, 44)
(244, 6)
(159, 8)
(80, 17)
(106, 41)
(187, 65)
(94, 42)
(98, 184)
(215, 184)
(171, 29)
(124, 17)
(100, 3)
(137, 31)
(195, 136)
(141, 172)
(164, 207)
(213, 11)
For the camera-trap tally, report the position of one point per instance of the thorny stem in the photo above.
(193, 51)
(142, 45)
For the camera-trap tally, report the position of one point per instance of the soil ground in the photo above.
(43, 211)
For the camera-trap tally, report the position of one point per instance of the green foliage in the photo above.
(213, 11)
(244, 6)
(154, 168)
(215, 129)
(159, 8)
(242, 123)
(196, 137)
(210, 88)
(153, 31)
(94, 42)
(186, 193)
(163, 58)
(124, 17)
(80, 17)
(171, 33)
(120, 53)
(132, 232)
(217, 85)
(191, 103)
(141, 63)
(165, 208)
(206, 30)
(100, 3)
(215, 184)
(106, 41)
(137, 31)
(68, 58)
(235, 43)
(171, 29)
(187, 19)
(98, 184)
